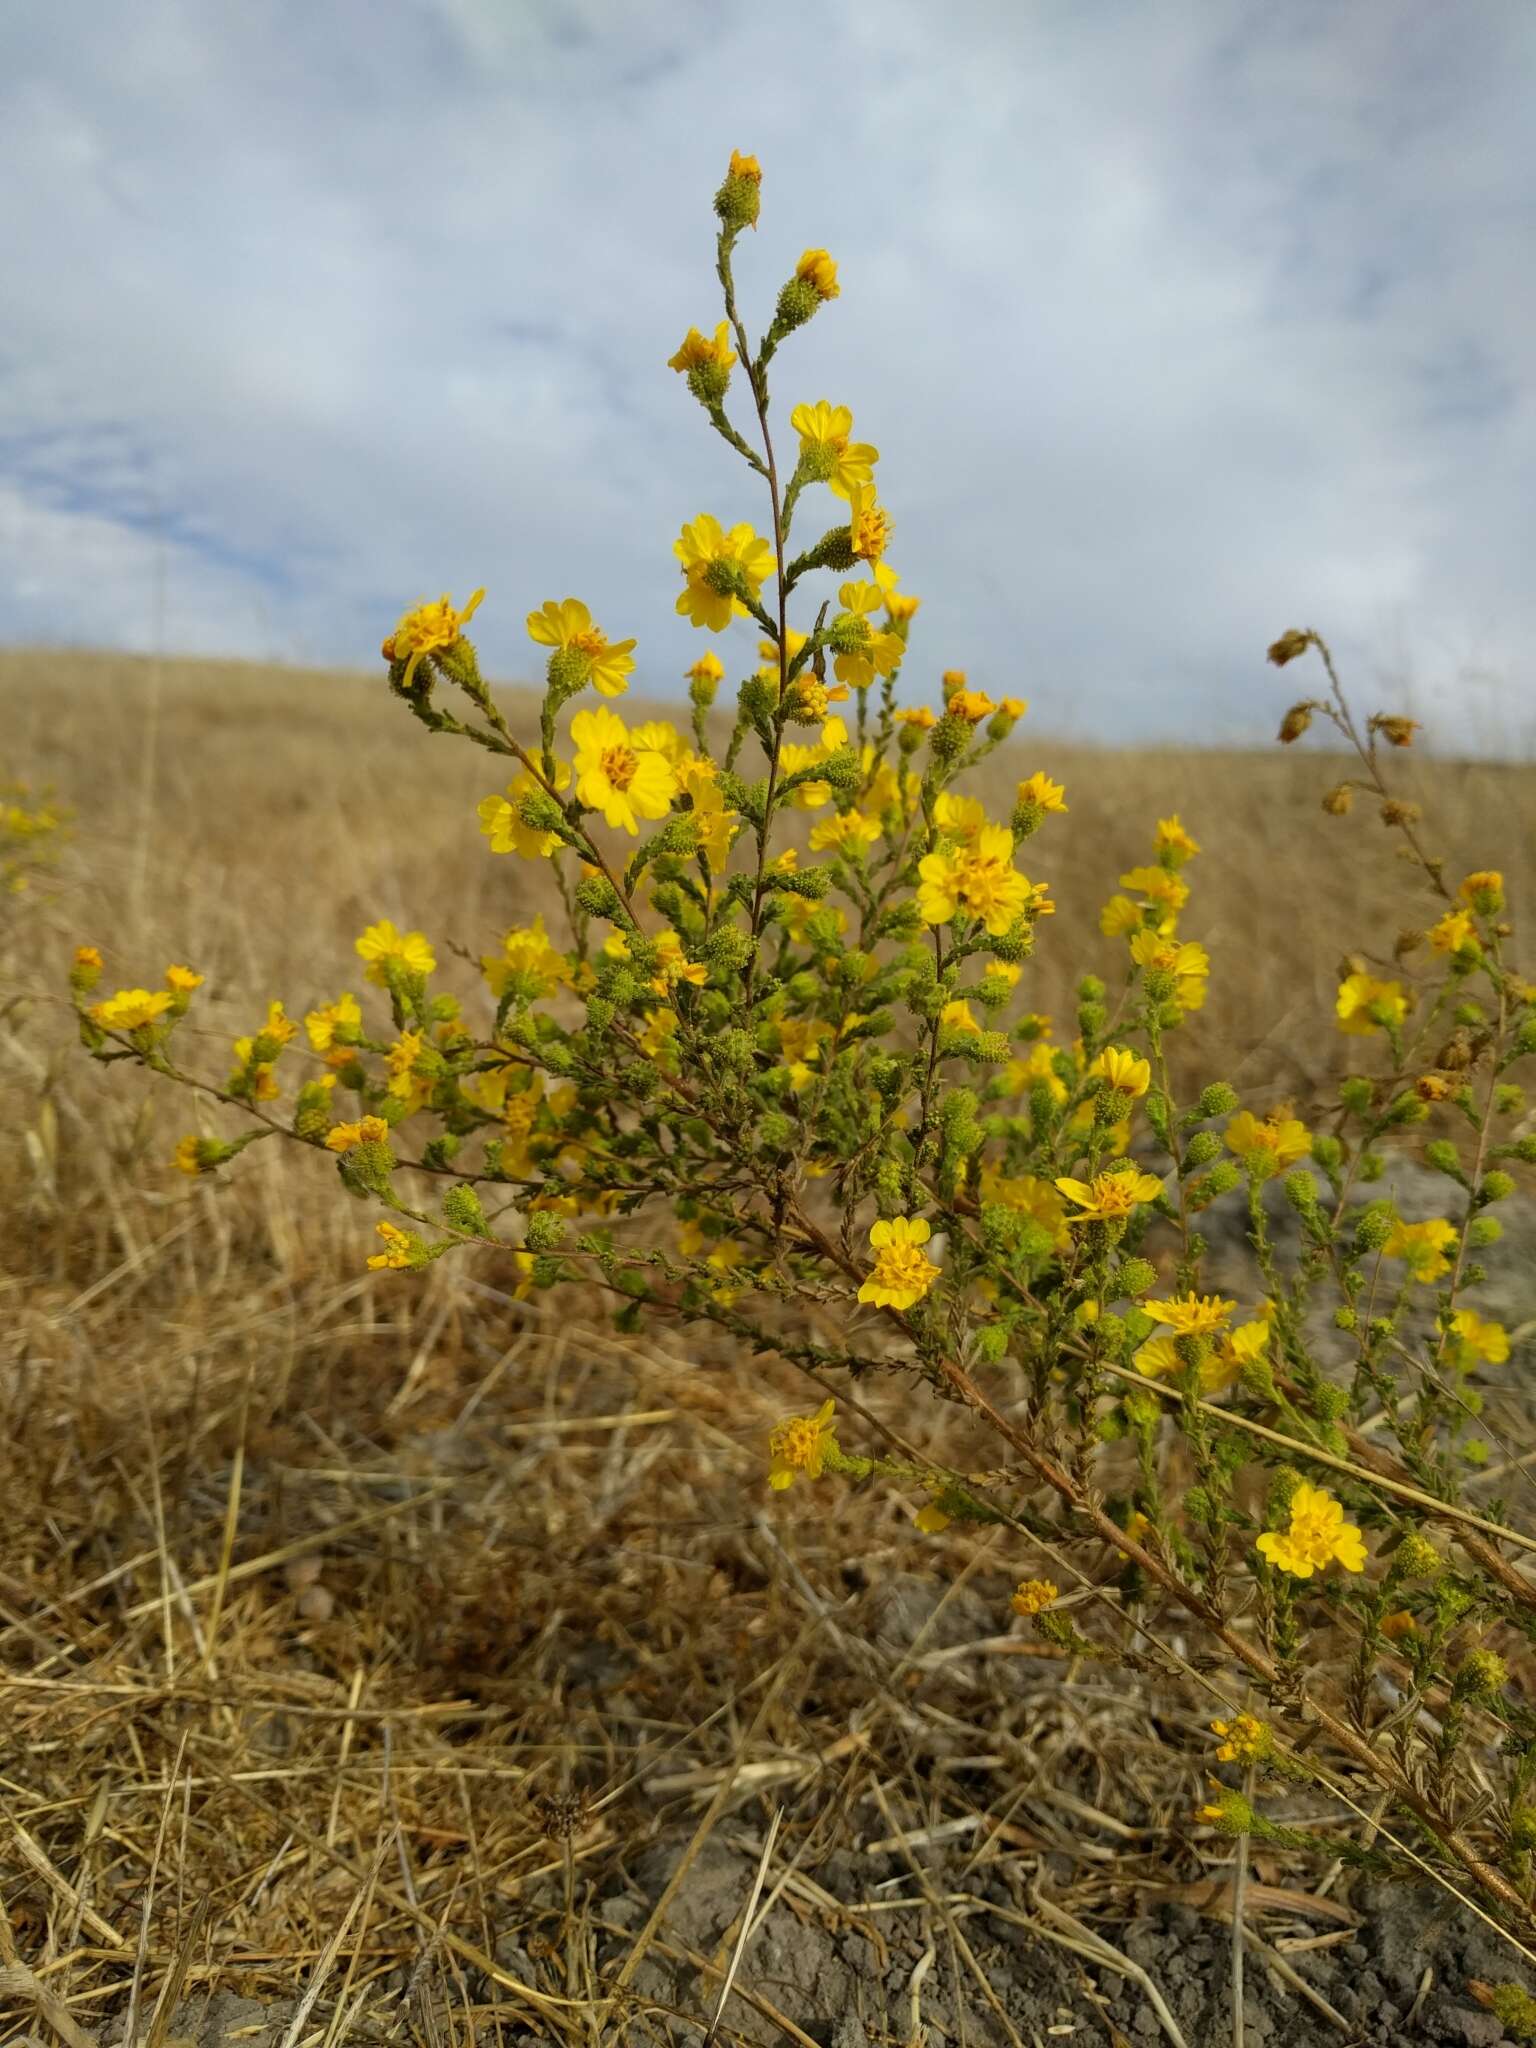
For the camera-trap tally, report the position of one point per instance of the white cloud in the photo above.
(1175, 325)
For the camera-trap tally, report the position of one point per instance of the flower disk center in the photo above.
(619, 765)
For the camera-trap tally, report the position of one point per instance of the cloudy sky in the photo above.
(1175, 323)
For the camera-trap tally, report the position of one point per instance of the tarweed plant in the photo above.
(780, 1073)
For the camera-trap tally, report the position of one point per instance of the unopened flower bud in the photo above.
(1289, 647)
(462, 1211)
(1338, 799)
(1483, 1674)
(1294, 723)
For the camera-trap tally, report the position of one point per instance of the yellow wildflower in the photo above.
(1159, 886)
(800, 1443)
(1187, 964)
(1453, 932)
(501, 818)
(528, 952)
(88, 957)
(188, 1156)
(368, 1130)
(1192, 1315)
(958, 1016)
(398, 1245)
(1484, 891)
(1474, 1341)
(131, 1009)
(1245, 1740)
(1045, 795)
(903, 1272)
(567, 626)
(827, 450)
(660, 1030)
(699, 352)
(429, 629)
(817, 269)
(869, 525)
(879, 653)
(980, 880)
(625, 782)
(1268, 1144)
(714, 562)
(1125, 1072)
(1119, 917)
(1034, 1596)
(181, 980)
(847, 831)
(1423, 1247)
(1316, 1536)
(1173, 839)
(382, 946)
(1109, 1196)
(1365, 1004)
(960, 818)
(325, 1025)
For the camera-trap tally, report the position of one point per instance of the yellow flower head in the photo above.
(828, 452)
(501, 817)
(1423, 1247)
(1245, 1740)
(614, 775)
(959, 818)
(131, 1009)
(1120, 917)
(1186, 965)
(1474, 1342)
(382, 947)
(1365, 1004)
(368, 1130)
(979, 880)
(398, 1247)
(1159, 886)
(1033, 1596)
(1316, 1536)
(1453, 932)
(88, 957)
(181, 980)
(566, 625)
(1109, 1196)
(869, 525)
(339, 1020)
(707, 672)
(1041, 794)
(1268, 1145)
(1484, 891)
(529, 953)
(697, 352)
(429, 629)
(719, 568)
(903, 1272)
(847, 832)
(1192, 1315)
(800, 1443)
(920, 717)
(817, 269)
(188, 1156)
(971, 705)
(1173, 840)
(1125, 1072)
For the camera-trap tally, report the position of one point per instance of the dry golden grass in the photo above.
(320, 1591)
